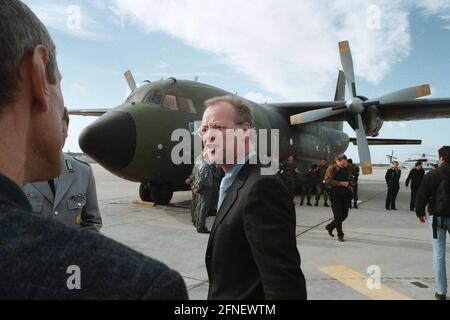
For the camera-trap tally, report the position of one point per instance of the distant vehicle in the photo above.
(409, 163)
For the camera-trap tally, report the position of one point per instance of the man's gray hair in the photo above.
(243, 110)
(20, 32)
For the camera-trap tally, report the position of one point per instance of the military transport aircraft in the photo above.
(133, 140)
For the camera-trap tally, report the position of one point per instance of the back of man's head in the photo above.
(20, 32)
(444, 154)
(31, 103)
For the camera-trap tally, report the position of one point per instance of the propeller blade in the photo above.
(363, 147)
(130, 79)
(347, 65)
(403, 95)
(315, 115)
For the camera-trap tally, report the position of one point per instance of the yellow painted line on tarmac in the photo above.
(358, 282)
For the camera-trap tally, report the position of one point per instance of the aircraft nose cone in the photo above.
(111, 140)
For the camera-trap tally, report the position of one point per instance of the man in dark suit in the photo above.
(392, 178)
(415, 176)
(252, 249)
(40, 258)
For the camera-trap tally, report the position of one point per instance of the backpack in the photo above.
(442, 200)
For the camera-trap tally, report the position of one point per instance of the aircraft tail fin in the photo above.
(340, 87)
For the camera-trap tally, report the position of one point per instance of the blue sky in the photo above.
(273, 51)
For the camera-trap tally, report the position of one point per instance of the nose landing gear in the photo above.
(160, 194)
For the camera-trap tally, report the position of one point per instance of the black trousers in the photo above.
(339, 205)
(412, 203)
(355, 194)
(391, 196)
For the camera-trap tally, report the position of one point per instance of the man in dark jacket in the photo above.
(339, 178)
(42, 259)
(427, 195)
(415, 176)
(393, 183)
(252, 249)
(354, 169)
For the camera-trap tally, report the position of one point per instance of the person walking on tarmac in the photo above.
(320, 186)
(308, 184)
(339, 178)
(354, 169)
(289, 172)
(393, 183)
(202, 188)
(415, 176)
(434, 192)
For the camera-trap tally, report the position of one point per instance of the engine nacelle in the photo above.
(372, 121)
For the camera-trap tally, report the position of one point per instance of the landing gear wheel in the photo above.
(161, 194)
(145, 192)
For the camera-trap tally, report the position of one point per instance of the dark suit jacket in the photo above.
(252, 249)
(392, 179)
(415, 177)
(35, 254)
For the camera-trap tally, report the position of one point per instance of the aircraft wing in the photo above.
(88, 112)
(418, 109)
(384, 142)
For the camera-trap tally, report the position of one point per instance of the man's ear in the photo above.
(40, 85)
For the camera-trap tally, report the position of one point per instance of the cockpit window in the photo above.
(136, 96)
(186, 105)
(170, 102)
(153, 97)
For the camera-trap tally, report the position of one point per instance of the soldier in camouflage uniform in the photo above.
(308, 184)
(289, 172)
(190, 182)
(320, 186)
(202, 188)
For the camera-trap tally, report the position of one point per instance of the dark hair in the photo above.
(418, 163)
(394, 162)
(350, 161)
(20, 32)
(341, 157)
(435, 165)
(444, 153)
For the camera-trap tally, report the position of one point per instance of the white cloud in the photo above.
(258, 97)
(68, 18)
(439, 8)
(289, 47)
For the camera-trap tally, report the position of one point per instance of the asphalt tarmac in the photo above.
(386, 254)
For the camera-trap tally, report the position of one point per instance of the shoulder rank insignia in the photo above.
(69, 165)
